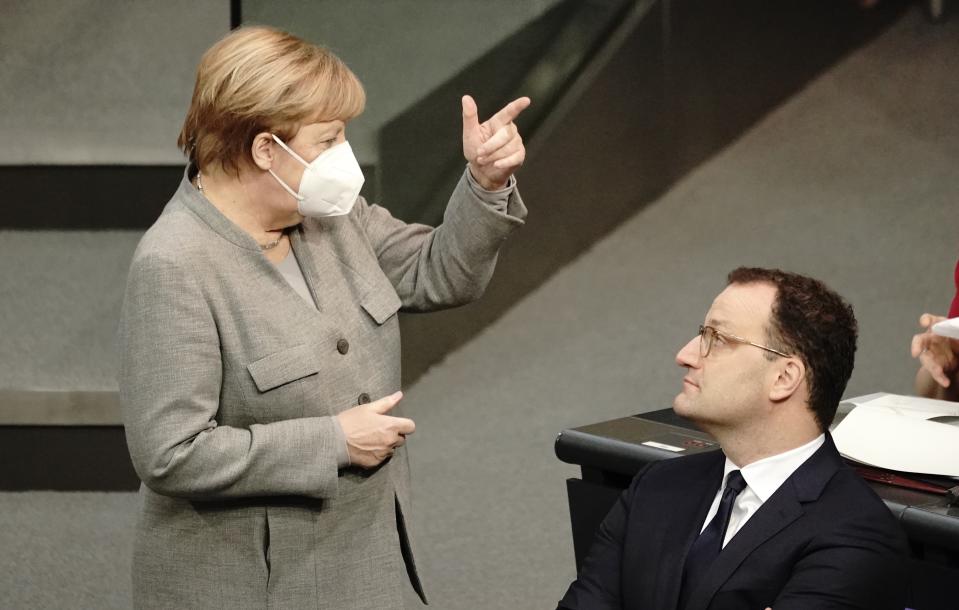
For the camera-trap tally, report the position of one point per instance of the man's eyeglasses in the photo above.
(708, 335)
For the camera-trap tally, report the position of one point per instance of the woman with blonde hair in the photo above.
(260, 350)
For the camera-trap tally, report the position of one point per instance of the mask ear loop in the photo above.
(289, 150)
(296, 195)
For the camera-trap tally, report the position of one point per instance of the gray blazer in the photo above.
(229, 381)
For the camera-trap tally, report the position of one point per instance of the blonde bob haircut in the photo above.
(259, 79)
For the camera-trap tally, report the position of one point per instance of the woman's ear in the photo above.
(791, 374)
(262, 150)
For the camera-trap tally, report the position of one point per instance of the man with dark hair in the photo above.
(774, 519)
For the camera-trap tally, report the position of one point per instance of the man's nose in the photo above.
(688, 354)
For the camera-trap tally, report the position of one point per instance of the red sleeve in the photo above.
(954, 310)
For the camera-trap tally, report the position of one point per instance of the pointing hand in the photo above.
(494, 149)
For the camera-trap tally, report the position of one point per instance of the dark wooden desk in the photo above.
(610, 453)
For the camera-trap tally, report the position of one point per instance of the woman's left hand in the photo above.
(494, 148)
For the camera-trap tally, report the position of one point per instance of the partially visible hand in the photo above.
(371, 434)
(494, 149)
(938, 355)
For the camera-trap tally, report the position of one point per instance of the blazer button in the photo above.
(363, 399)
(343, 346)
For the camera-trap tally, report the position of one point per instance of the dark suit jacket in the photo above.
(823, 540)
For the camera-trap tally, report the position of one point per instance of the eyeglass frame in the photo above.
(730, 337)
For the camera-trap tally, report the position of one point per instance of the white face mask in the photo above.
(330, 184)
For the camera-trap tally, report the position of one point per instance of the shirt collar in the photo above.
(765, 476)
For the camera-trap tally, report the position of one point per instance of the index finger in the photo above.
(509, 112)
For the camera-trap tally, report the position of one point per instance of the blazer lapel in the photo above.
(197, 203)
(324, 257)
(308, 265)
(776, 513)
(784, 507)
(680, 530)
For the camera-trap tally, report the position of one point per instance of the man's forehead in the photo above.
(742, 305)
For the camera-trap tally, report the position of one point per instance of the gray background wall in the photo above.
(95, 81)
(852, 180)
(400, 49)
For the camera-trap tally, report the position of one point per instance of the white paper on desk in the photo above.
(947, 328)
(891, 437)
(908, 406)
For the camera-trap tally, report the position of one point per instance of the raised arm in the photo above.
(452, 264)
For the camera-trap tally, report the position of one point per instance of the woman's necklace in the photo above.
(267, 246)
(272, 244)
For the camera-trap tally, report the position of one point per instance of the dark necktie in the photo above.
(710, 542)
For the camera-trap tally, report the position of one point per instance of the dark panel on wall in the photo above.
(690, 78)
(579, 182)
(85, 196)
(65, 458)
(236, 14)
(93, 196)
(728, 63)
(416, 187)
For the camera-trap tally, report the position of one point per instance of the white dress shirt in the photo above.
(762, 478)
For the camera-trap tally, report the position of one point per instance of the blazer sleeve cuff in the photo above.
(342, 450)
(505, 201)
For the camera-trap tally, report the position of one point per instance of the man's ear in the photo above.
(791, 374)
(261, 151)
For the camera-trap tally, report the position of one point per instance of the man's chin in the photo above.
(681, 406)
(687, 409)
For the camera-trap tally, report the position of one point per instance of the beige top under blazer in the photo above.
(229, 381)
